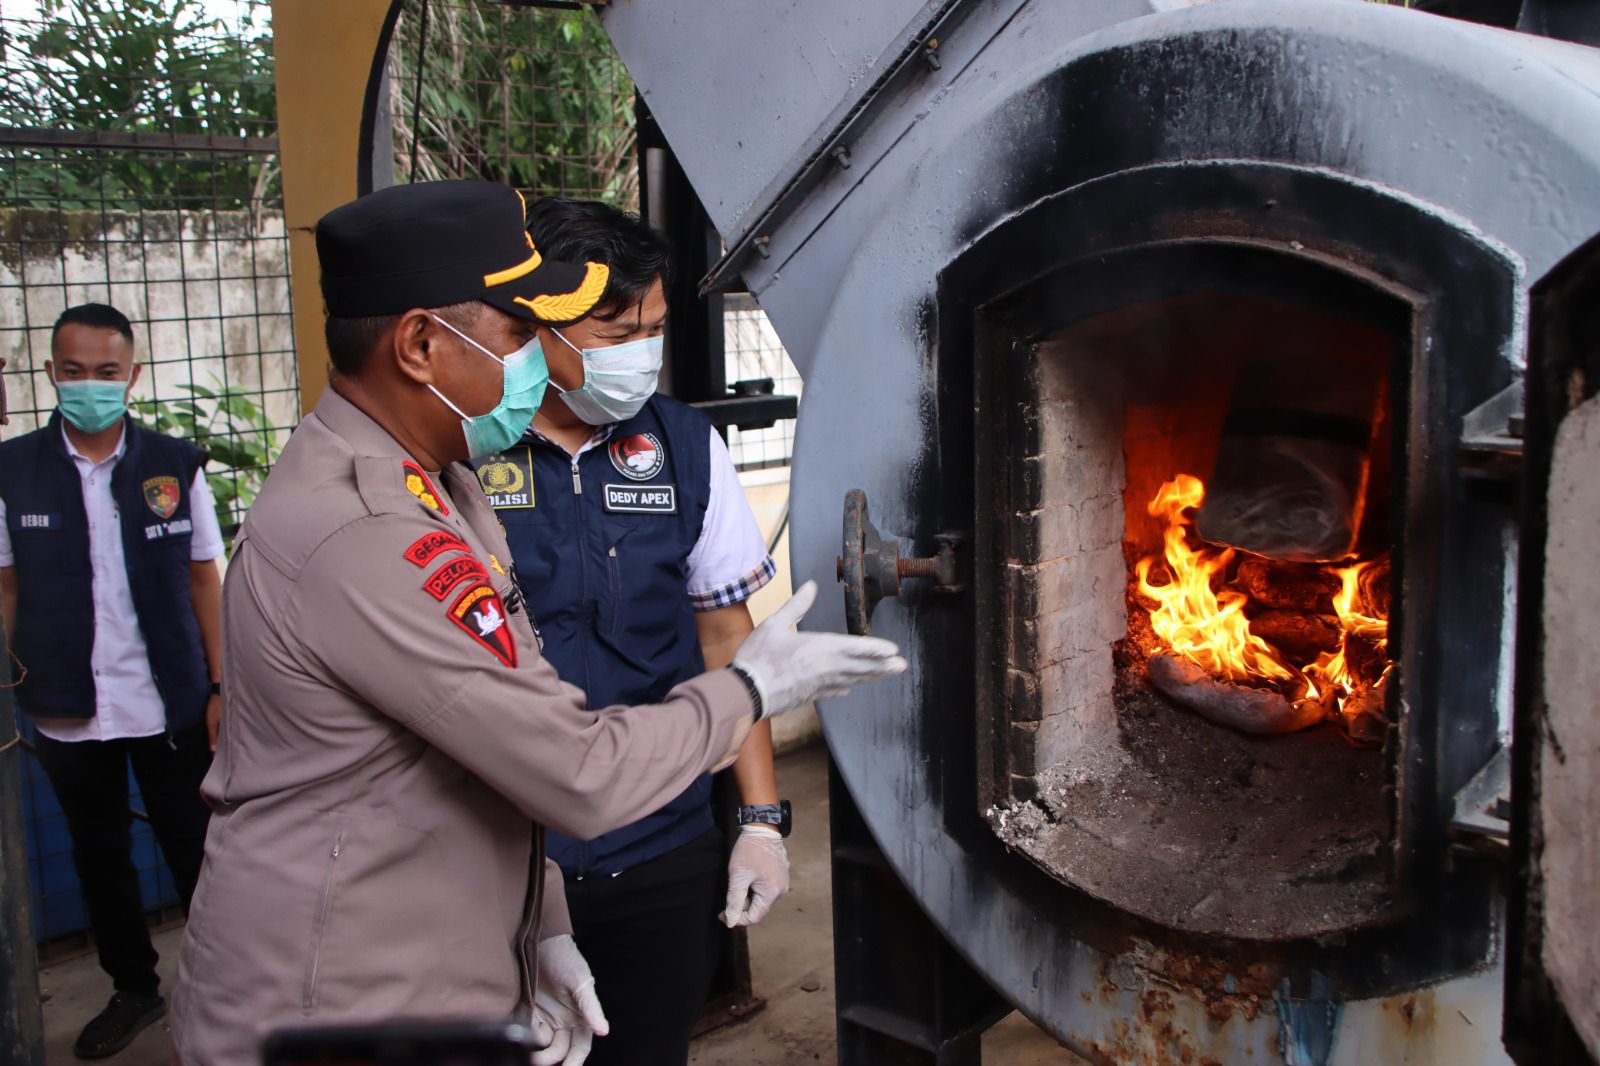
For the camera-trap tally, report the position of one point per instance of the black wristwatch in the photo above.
(216, 688)
(776, 815)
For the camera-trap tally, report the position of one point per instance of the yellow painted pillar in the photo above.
(323, 55)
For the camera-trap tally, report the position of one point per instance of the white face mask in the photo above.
(616, 380)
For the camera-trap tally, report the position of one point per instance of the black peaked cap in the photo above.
(437, 243)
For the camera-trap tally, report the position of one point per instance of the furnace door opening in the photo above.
(1199, 556)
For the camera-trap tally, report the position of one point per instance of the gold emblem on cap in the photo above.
(566, 306)
(527, 266)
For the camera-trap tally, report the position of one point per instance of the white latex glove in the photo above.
(566, 1012)
(790, 669)
(758, 875)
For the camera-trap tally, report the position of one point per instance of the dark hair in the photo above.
(351, 340)
(99, 316)
(581, 231)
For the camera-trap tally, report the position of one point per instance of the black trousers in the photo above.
(90, 778)
(651, 935)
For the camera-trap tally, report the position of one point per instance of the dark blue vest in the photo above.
(55, 593)
(601, 548)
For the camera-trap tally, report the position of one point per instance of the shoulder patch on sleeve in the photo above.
(457, 570)
(419, 485)
(433, 544)
(481, 615)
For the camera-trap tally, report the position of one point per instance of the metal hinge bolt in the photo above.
(872, 568)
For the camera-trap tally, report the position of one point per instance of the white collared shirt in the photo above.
(127, 703)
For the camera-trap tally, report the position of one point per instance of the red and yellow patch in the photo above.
(430, 546)
(453, 573)
(481, 616)
(418, 485)
(161, 495)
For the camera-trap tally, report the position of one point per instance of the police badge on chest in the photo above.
(639, 458)
(507, 478)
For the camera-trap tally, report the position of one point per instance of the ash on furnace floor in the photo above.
(1191, 824)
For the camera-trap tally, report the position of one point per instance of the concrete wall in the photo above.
(208, 292)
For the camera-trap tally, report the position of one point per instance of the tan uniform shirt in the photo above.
(391, 742)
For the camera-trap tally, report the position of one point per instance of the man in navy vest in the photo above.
(112, 604)
(637, 551)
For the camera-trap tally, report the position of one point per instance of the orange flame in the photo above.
(1208, 627)
(1332, 669)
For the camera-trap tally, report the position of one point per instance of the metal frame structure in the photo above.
(921, 1004)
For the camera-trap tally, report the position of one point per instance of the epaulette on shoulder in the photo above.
(390, 486)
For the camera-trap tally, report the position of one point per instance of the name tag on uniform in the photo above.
(168, 529)
(38, 521)
(642, 499)
(507, 478)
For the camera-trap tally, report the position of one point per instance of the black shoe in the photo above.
(115, 1027)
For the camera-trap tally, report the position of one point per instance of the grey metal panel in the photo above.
(740, 87)
(1396, 97)
(797, 281)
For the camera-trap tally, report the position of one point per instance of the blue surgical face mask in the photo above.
(520, 396)
(92, 405)
(616, 380)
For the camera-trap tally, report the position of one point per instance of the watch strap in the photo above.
(750, 685)
(775, 814)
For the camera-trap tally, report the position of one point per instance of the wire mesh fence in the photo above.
(533, 97)
(754, 351)
(537, 98)
(138, 167)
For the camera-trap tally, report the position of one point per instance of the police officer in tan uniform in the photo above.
(389, 727)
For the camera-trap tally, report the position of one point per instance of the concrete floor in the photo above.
(790, 952)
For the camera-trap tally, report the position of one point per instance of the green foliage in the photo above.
(234, 429)
(537, 99)
(150, 66)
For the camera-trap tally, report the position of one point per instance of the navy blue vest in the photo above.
(601, 548)
(55, 594)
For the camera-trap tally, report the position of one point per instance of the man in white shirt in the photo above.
(111, 598)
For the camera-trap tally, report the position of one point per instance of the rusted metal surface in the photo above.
(1449, 1024)
(866, 567)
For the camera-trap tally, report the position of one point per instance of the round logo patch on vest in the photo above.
(639, 457)
(161, 495)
